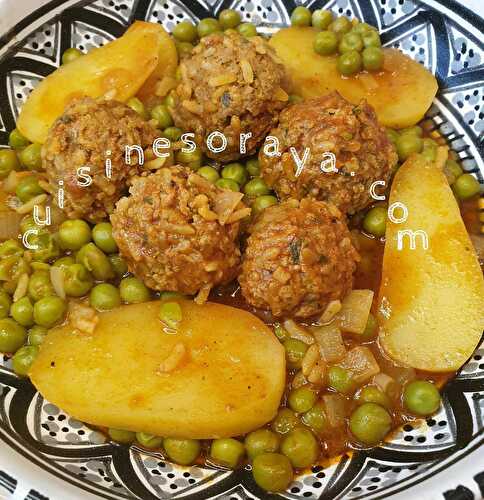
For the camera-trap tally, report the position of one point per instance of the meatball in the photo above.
(81, 137)
(330, 124)
(233, 85)
(178, 232)
(299, 258)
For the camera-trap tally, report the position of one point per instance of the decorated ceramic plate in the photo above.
(241, 250)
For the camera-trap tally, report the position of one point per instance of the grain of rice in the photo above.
(29, 206)
(22, 287)
(247, 72)
(219, 80)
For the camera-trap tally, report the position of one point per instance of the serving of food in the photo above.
(245, 254)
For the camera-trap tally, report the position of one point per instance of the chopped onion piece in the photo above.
(335, 406)
(361, 363)
(298, 332)
(386, 384)
(355, 310)
(57, 280)
(330, 342)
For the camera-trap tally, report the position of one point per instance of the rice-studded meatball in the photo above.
(81, 138)
(299, 258)
(330, 124)
(178, 232)
(233, 85)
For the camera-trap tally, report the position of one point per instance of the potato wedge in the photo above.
(400, 94)
(431, 302)
(120, 67)
(229, 380)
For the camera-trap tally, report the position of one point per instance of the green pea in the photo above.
(12, 335)
(247, 29)
(64, 262)
(302, 399)
(5, 303)
(169, 100)
(171, 295)
(47, 247)
(121, 436)
(263, 202)
(182, 451)
(466, 186)
(227, 184)
(227, 452)
(208, 26)
(77, 280)
(22, 312)
(192, 159)
(22, 360)
(235, 172)
(373, 59)
(28, 188)
(162, 116)
(95, 261)
(148, 440)
(30, 157)
(49, 311)
(9, 248)
(325, 43)
(350, 41)
(371, 38)
(37, 334)
(349, 63)
(340, 25)
(11, 268)
(70, 55)
(8, 162)
(415, 130)
(408, 144)
(301, 447)
(171, 314)
(421, 398)
(16, 140)
(102, 234)
(40, 285)
(452, 170)
(375, 221)
(118, 264)
(261, 441)
(322, 18)
(104, 297)
(301, 16)
(295, 351)
(293, 99)
(370, 423)
(256, 187)
(315, 418)
(372, 394)
(185, 32)
(209, 173)
(229, 19)
(280, 332)
(429, 151)
(362, 28)
(392, 135)
(340, 380)
(272, 471)
(371, 329)
(133, 291)
(173, 133)
(74, 234)
(136, 105)
(183, 49)
(285, 421)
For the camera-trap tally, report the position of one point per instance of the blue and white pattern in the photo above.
(452, 48)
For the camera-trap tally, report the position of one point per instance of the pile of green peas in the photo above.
(187, 34)
(357, 44)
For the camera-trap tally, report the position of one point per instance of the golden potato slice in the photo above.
(431, 302)
(221, 374)
(119, 68)
(400, 94)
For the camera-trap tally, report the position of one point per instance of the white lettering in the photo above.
(163, 143)
(212, 137)
(299, 163)
(186, 139)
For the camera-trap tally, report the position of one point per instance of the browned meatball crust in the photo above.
(178, 232)
(331, 124)
(233, 85)
(299, 257)
(81, 137)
